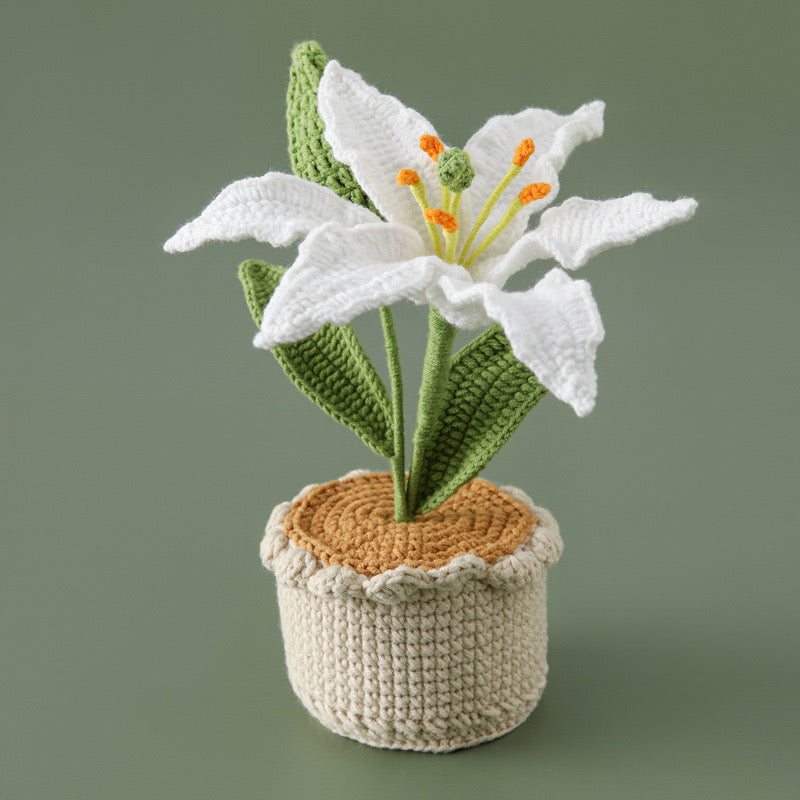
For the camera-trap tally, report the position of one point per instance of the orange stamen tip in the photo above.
(431, 145)
(523, 152)
(407, 177)
(534, 191)
(439, 217)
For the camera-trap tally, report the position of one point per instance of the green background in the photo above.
(144, 440)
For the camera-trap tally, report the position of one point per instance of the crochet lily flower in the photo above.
(443, 236)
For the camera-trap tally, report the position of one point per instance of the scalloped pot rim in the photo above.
(294, 565)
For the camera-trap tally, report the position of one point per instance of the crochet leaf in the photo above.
(311, 155)
(330, 367)
(487, 396)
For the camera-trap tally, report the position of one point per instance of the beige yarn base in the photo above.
(430, 660)
(434, 675)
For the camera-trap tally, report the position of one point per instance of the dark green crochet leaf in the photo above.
(330, 367)
(311, 155)
(488, 394)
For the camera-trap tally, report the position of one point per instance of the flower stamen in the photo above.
(523, 152)
(449, 225)
(532, 192)
(521, 155)
(455, 202)
(410, 178)
(443, 218)
(431, 145)
(407, 177)
(447, 198)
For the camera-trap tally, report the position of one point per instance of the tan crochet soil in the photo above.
(351, 523)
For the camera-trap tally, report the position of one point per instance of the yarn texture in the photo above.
(351, 523)
(330, 367)
(455, 170)
(417, 659)
(310, 154)
(487, 395)
(413, 605)
(345, 134)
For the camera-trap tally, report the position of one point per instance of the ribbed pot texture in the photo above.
(432, 660)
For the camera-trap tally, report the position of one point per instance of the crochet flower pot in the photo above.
(423, 636)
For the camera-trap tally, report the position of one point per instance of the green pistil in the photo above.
(455, 170)
(512, 173)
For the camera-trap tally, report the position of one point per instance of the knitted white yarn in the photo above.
(274, 208)
(411, 659)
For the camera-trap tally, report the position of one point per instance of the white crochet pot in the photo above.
(410, 659)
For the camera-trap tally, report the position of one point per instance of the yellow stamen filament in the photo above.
(451, 239)
(521, 156)
(407, 177)
(449, 224)
(447, 198)
(455, 202)
(534, 191)
(431, 145)
(512, 173)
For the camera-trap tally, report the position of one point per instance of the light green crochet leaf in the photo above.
(330, 367)
(488, 394)
(310, 153)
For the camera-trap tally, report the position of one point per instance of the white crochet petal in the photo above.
(275, 208)
(340, 273)
(529, 247)
(555, 137)
(553, 328)
(458, 299)
(578, 229)
(377, 136)
(498, 270)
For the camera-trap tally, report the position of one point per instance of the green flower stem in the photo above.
(398, 460)
(435, 372)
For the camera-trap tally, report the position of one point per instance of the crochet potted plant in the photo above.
(412, 602)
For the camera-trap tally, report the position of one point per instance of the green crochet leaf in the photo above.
(487, 396)
(310, 153)
(330, 367)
